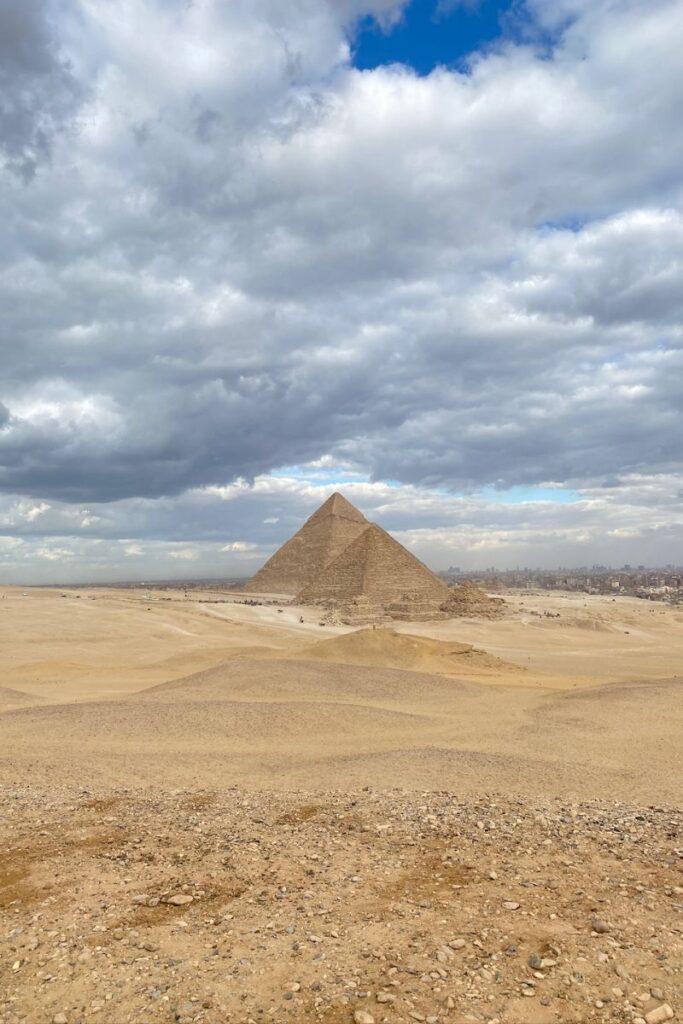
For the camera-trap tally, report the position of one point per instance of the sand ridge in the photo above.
(253, 720)
(152, 685)
(385, 648)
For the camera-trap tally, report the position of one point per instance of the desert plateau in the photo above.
(215, 809)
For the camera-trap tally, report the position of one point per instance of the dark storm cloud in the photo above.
(37, 90)
(249, 255)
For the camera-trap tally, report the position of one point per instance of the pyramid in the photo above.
(319, 541)
(379, 569)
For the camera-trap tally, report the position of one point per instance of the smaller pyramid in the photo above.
(378, 569)
(324, 535)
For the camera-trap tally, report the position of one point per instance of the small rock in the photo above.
(535, 961)
(600, 926)
(180, 899)
(510, 905)
(363, 1017)
(385, 997)
(661, 1014)
(60, 1018)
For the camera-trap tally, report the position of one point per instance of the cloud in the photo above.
(445, 7)
(38, 91)
(242, 254)
(184, 554)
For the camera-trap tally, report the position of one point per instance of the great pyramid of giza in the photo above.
(357, 569)
(319, 541)
(378, 568)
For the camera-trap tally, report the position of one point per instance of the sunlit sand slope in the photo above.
(309, 724)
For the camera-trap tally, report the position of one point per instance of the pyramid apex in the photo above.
(338, 505)
(322, 537)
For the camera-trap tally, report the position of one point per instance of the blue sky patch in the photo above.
(519, 495)
(431, 33)
(331, 475)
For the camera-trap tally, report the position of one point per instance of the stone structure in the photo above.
(377, 567)
(340, 560)
(319, 541)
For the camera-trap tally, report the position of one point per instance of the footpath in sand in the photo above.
(214, 812)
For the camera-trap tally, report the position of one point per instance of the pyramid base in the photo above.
(412, 609)
(361, 611)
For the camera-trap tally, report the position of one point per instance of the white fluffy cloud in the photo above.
(225, 251)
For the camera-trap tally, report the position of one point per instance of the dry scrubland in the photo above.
(213, 812)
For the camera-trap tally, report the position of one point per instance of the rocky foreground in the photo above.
(338, 907)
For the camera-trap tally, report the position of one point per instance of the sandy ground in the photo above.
(574, 695)
(155, 745)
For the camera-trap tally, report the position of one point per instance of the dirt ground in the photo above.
(211, 811)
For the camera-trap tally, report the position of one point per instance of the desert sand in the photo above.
(214, 811)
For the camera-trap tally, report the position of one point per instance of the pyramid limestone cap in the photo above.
(337, 505)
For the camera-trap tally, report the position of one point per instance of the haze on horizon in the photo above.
(428, 254)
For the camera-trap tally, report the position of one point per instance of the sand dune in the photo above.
(271, 679)
(387, 649)
(10, 698)
(325, 724)
(158, 688)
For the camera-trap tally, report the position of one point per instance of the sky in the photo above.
(429, 253)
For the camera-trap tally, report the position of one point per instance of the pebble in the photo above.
(660, 1015)
(600, 926)
(421, 971)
